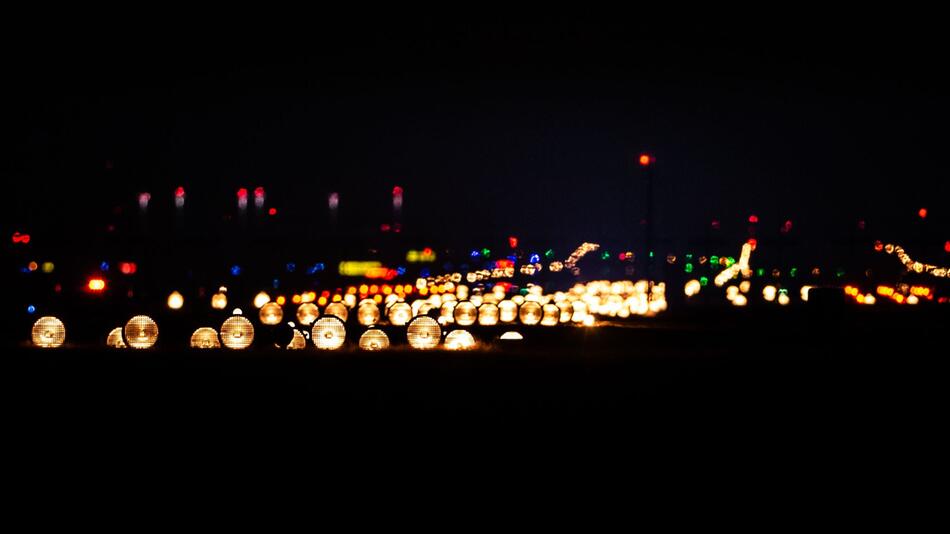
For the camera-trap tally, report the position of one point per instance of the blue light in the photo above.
(276, 283)
(31, 309)
(104, 266)
(401, 270)
(512, 258)
(475, 253)
(291, 267)
(236, 270)
(424, 272)
(25, 270)
(534, 258)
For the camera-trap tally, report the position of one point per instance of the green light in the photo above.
(549, 253)
(605, 255)
(523, 291)
(760, 272)
(793, 272)
(730, 261)
(703, 281)
(651, 253)
(840, 272)
(486, 252)
(714, 260)
(688, 267)
(689, 257)
(783, 292)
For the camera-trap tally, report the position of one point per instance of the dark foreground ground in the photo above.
(744, 368)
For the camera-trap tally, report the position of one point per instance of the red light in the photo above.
(397, 191)
(96, 285)
(427, 251)
(787, 227)
(513, 242)
(242, 193)
(753, 219)
(258, 192)
(646, 159)
(946, 247)
(272, 212)
(753, 242)
(922, 213)
(127, 267)
(861, 224)
(384, 228)
(180, 192)
(19, 238)
(715, 224)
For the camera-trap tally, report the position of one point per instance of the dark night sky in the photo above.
(531, 127)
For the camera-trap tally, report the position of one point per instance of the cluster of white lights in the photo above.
(916, 266)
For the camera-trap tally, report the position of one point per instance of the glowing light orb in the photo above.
(141, 332)
(205, 338)
(399, 314)
(783, 299)
(465, 313)
(176, 301)
(507, 311)
(237, 333)
(219, 301)
(374, 339)
(337, 309)
(511, 336)
(530, 313)
(328, 333)
(271, 314)
(552, 315)
(261, 299)
(48, 332)
(459, 340)
(769, 293)
(424, 333)
(487, 314)
(368, 313)
(307, 313)
(114, 339)
(692, 288)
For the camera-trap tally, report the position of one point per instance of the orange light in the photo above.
(322, 301)
(645, 159)
(96, 285)
(922, 213)
(898, 298)
(364, 289)
(281, 300)
(753, 242)
(373, 289)
(351, 290)
(377, 298)
(885, 291)
(296, 299)
(387, 289)
(337, 298)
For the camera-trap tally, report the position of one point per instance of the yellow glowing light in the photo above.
(459, 340)
(48, 332)
(912, 300)
(368, 313)
(307, 313)
(219, 301)
(399, 314)
(447, 312)
(869, 299)
(261, 299)
(176, 300)
(329, 333)
(424, 333)
(114, 339)
(359, 268)
(374, 339)
(237, 333)
(740, 300)
(512, 336)
(281, 300)
(804, 293)
(48, 267)
(589, 320)
(530, 313)
(465, 313)
(205, 338)
(551, 315)
(337, 309)
(299, 342)
(507, 311)
(745, 286)
(141, 332)
(692, 288)
(271, 314)
(578, 311)
(487, 314)
(783, 299)
(769, 293)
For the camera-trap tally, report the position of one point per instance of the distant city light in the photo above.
(922, 213)
(645, 159)
(753, 219)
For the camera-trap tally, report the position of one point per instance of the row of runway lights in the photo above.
(423, 319)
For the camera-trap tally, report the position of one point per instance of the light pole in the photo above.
(647, 162)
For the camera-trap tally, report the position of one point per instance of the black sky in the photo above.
(492, 128)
